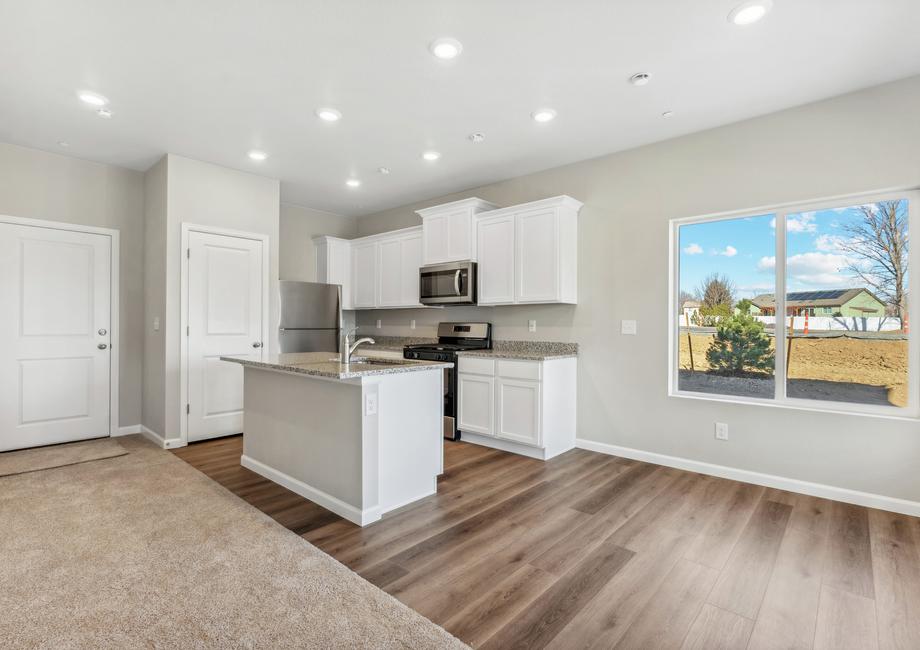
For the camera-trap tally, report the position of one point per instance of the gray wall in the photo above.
(298, 227)
(41, 185)
(154, 407)
(860, 142)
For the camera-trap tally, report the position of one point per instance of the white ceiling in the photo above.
(211, 79)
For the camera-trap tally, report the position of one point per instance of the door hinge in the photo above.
(188, 252)
(187, 330)
(188, 409)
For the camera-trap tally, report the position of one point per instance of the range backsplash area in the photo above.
(509, 323)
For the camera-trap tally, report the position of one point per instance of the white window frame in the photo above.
(780, 399)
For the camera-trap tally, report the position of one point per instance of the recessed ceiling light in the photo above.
(477, 137)
(543, 114)
(640, 78)
(255, 154)
(431, 156)
(104, 113)
(91, 98)
(383, 170)
(748, 13)
(328, 114)
(668, 114)
(446, 48)
(353, 182)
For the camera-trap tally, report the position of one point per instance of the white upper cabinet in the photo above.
(400, 256)
(496, 253)
(449, 230)
(529, 253)
(364, 273)
(333, 265)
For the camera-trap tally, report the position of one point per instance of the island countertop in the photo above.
(326, 364)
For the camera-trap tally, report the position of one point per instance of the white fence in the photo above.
(830, 323)
(839, 323)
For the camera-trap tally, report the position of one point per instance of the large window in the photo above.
(839, 301)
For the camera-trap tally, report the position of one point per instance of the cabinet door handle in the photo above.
(102, 346)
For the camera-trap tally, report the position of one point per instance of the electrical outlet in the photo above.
(531, 326)
(156, 324)
(370, 404)
(721, 431)
(628, 327)
(379, 323)
(412, 324)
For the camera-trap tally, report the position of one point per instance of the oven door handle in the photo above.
(457, 281)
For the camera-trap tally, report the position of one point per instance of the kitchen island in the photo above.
(359, 439)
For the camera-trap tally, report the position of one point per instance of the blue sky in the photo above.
(744, 250)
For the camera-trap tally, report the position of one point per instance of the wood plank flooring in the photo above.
(593, 551)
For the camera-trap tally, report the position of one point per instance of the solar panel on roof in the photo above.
(826, 294)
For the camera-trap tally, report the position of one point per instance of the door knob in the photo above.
(103, 332)
(257, 344)
(102, 346)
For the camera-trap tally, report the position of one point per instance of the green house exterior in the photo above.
(856, 302)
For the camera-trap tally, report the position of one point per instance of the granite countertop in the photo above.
(527, 350)
(326, 364)
(501, 349)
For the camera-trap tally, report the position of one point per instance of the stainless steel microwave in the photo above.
(453, 283)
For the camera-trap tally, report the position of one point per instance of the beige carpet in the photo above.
(144, 551)
(33, 460)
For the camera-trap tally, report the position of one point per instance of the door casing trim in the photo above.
(114, 298)
(187, 229)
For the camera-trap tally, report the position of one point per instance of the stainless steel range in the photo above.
(452, 338)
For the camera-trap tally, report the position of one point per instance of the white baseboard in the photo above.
(174, 443)
(127, 431)
(152, 436)
(339, 507)
(846, 495)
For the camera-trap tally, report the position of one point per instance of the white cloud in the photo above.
(728, 251)
(693, 249)
(819, 269)
(830, 243)
(766, 263)
(804, 222)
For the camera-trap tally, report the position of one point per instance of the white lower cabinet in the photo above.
(474, 408)
(517, 410)
(526, 407)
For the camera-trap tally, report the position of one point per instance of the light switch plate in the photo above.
(628, 327)
(379, 323)
(721, 431)
(412, 324)
(156, 324)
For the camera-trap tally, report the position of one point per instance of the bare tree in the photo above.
(685, 297)
(879, 240)
(716, 290)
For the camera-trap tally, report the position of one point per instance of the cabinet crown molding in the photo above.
(476, 204)
(563, 200)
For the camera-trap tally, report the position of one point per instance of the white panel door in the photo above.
(364, 275)
(537, 257)
(226, 316)
(389, 273)
(410, 262)
(55, 333)
(474, 410)
(496, 260)
(518, 410)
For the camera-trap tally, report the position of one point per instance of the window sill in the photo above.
(883, 413)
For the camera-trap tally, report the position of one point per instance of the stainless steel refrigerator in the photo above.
(311, 317)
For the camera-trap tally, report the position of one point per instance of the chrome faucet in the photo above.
(348, 348)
